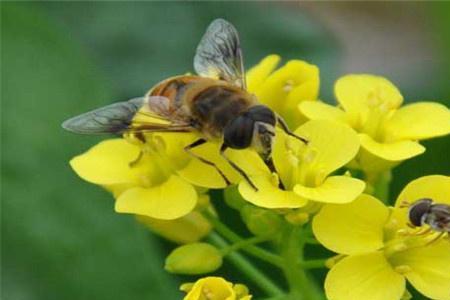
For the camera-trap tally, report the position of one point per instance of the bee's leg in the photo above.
(236, 167)
(271, 166)
(423, 231)
(210, 163)
(132, 163)
(286, 129)
(437, 237)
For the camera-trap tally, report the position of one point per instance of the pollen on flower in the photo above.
(309, 155)
(289, 85)
(292, 159)
(208, 293)
(403, 269)
(395, 246)
(145, 181)
(374, 98)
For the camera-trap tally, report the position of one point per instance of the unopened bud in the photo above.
(297, 217)
(188, 229)
(241, 290)
(192, 259)
(260, 221)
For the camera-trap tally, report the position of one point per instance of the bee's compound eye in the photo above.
(261, 113)
(238, 133)
(417, 210)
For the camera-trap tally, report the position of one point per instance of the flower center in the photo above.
(288, 86)
(404, 239)
(379, 110)
(304, 167)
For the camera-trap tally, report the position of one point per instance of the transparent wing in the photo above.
(219, 54)
(138, 114)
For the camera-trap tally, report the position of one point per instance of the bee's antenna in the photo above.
(404, 204)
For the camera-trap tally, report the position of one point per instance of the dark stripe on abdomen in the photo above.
(216, 106)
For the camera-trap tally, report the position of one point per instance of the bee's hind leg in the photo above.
(236, 167)
(197, 143)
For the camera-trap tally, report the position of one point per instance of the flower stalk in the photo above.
(259, 278)
(291, 248)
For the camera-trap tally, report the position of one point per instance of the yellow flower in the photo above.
(147, 188)
(388, 132)
(283, 89)
(305, 170)
(215, 288)
(382, 251)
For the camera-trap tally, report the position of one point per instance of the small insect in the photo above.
(435, 215)
(213, 103)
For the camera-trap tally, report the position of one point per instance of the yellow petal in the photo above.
(436, 187)
(269, 195)
(316, 110)
(201, 174)
(429, 269)
(259, 73)
(364, 277)
(170, 200)
(286, 80)
(396, 151)
(352, 228)
(358, 93)
(188, 229)
(172, 146)
(331, 146)
(107, 163)
(418, 121)
(335, 189)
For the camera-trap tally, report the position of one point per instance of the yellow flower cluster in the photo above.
(368, 133)
(215, 288)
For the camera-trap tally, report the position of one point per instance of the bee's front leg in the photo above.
(286, 129)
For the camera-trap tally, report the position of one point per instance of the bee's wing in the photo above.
(121, 117)
(219, 54)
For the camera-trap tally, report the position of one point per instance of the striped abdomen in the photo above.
(215, 106)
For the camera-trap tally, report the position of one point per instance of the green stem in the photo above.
(244, 243)
(313, 264)
(230, 235)
(311, 241)
(291, 250)
(245, 266)
(380, 182)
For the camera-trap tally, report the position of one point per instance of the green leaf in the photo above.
(60, 236)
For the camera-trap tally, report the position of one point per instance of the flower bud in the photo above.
(241, 290)
(297, 217)
(259, 221)
(233, 198)
(188, 229)
(191, 259)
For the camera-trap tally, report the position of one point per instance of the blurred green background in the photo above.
(60, 236)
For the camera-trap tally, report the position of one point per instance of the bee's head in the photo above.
(254, 127)
(418, 210)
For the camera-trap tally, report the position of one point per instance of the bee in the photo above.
(425, 211)
(214, 103)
